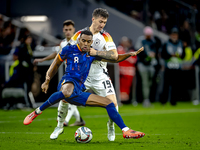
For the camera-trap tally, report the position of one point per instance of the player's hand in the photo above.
(36, 61)
(93, 52)
(137, 52)
(45, 87)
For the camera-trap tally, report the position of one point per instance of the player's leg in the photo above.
(67, 90)
(110, 123)
(66, 110)
(62, 112)
(105, 88)
(95, 100)
(110, 94)
(73, 110)
(69, 113)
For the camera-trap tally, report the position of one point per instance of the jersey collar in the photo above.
(78, 47)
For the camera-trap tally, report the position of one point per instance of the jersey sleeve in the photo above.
(58, 48)
(75, 37)
(109, 41)
(63, 53)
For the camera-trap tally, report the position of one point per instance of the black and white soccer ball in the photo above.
(83, 135)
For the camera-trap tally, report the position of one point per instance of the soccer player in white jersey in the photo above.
(98, 79)
(68, 30)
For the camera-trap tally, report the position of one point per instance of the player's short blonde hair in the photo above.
(68, 22)
(100, 12)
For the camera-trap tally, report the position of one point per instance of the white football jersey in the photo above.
(63, 43)
(102, 41)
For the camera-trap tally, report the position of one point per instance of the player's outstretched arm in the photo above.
(122, 57)
(49, 57)
(51, 72)
(111, 55)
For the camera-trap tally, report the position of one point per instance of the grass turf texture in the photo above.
(166, 127)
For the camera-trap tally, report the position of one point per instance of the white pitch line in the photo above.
(23, 133)
(94, 132)
(151, 112)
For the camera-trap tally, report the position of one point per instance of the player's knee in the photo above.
(67, 89)
(113, 99)
(66, 93)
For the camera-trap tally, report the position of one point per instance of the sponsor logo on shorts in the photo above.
(110, 91)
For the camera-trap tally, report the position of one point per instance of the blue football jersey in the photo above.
(77, 62)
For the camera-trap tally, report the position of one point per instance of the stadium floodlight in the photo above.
(34, 18)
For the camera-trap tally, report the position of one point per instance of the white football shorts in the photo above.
(103, 87)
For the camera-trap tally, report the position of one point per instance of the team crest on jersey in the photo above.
(97, 42)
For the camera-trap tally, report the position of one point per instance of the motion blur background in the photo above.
(127, 20)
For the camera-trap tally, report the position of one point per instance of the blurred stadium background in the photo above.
(166, 126)
(127, 18)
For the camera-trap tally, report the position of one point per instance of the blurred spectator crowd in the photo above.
(163, 68)
(164, 71)
(163, 15)
(20, 45)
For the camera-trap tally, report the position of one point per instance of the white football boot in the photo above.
(57, 131)
(111, 131)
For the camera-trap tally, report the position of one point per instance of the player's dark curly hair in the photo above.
(100, 12)
(86, 32)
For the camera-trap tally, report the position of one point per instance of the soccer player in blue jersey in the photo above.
(64, 108)
(71, 86)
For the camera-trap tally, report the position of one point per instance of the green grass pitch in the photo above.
(166, 128)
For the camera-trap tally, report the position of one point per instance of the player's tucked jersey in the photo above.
(78, 63)
(102, 41)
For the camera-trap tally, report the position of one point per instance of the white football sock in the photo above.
(125, 129)
(76, 113)
(70, 112)
(62, 112)
(38, 111)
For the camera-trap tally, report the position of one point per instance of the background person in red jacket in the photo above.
(127, 69)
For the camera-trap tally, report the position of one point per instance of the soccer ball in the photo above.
(83, 135)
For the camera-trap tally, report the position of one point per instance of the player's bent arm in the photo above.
(111, 55)
(53, 68)
(49, 57)
(122, 57)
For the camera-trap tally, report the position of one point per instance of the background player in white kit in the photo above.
(68, 30)
(98, 79)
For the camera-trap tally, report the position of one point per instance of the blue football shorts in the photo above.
(78, 97)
